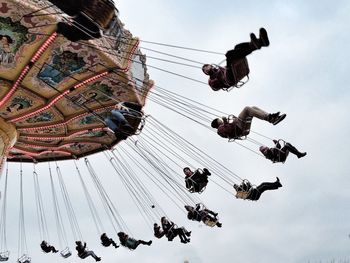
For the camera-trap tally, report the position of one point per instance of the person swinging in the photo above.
(236, 63)
(130, 242)
(84, 253)
(202, 214)
(170, 230)
(196, 181)
(47, 248)
(247, 191)
(236, 128)
(106, 241)
(89, 18)
(279, 154)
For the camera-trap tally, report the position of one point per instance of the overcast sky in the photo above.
(303, 73)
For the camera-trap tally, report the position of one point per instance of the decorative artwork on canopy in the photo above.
(22, 101)
(62, 65)
(57, 93)
(12, 36)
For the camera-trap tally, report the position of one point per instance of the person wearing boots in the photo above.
(130, 242)
(247, 191)
(47, 248)
(106, 241)
(222, 77)
(202, 215)
(279, 154)
(84, 253)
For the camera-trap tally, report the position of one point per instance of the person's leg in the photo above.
(239, 52)
(182, 235)
(148, 243)
(118, 117)
(250, 112)
(91, 253)
(111, 124)
(294, 150)
(269, 186)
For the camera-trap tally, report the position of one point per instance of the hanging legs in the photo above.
(294, 150)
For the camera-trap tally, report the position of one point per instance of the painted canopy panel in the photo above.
(57, 92)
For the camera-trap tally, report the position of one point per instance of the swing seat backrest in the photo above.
(171, 232)
(66, 253)
(24, 259)
(242, 132)
(101, 12)
(4, 256)
(240, 70)
(210, 223)
(242, 194)
(194, 184)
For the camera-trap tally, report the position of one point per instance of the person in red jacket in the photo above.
(239, 127)
(223, 77)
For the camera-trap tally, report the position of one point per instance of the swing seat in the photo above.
(242, 194)
(4, 256)
(245, 129)
(240, 72)
(195, 184)
(210, 223)
(171, 233)
(24, 259)
(66, 253)
(101, 12)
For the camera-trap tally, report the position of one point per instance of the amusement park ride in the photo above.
(56, 93)
(66, 68)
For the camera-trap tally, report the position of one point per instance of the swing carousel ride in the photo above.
(56, 93)
(64, 69)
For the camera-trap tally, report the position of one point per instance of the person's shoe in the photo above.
(98, 259)
(278, 182)
(279, 119)
(272, 117)
(300, 155)
(149, 243)
(206, 171)
(276, 118)
(263, 37)
(218, 224)
(255, 41)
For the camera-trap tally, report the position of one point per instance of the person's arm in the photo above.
(84, 245)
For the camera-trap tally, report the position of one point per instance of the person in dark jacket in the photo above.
(223, 77)
(47, 248)
(170, 230)
(196, 181)
(106, 241)
(130, 242)
(247, 191)
(202, 214)
(84, 253)
(279, 154)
